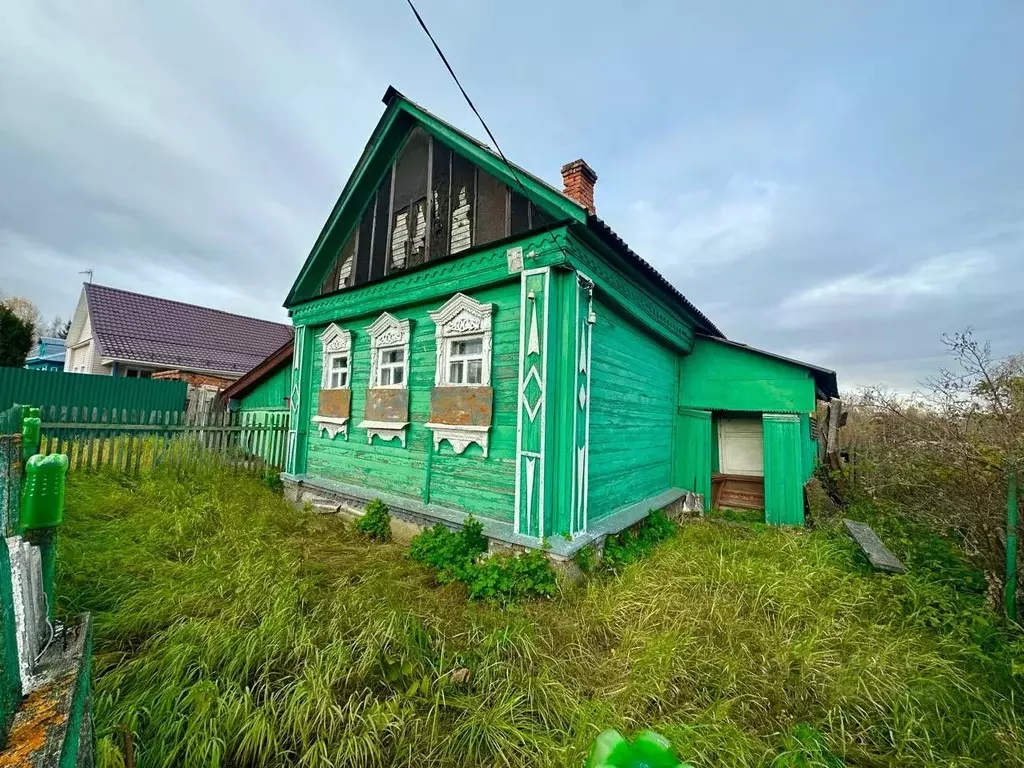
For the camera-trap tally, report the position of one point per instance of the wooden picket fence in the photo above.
(130, 441)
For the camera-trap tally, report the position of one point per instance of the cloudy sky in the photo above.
(841, 182)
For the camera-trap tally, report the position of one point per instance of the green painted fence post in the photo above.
(1012, 515)
(10, 674)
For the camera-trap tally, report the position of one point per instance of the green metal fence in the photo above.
(80, 390)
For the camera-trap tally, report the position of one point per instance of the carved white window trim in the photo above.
(335, 343)
(460, 436)
(462, 318)
(388, 333)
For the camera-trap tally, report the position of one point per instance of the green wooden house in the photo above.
(471, 340)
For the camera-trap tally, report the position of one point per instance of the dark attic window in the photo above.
(432, 202)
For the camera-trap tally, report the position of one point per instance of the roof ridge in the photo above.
(184, 304)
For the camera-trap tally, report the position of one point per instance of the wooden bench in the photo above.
(881, 558)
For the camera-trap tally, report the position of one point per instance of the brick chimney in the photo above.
(579, 179)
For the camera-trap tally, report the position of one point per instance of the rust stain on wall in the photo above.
(335, 402)
(461, 406)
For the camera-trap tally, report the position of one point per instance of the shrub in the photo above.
(500, 579)
(586, 559)
(510, 578)
(273, 481)
(376, 521)
(639, 541)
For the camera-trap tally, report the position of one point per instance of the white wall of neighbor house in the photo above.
(81, 356)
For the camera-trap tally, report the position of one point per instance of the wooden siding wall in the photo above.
(271, 394)
(721, 377)
(468, 482)
(632, 409)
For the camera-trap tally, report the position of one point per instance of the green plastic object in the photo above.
(42, 496)
(648, 750)
(30, 432)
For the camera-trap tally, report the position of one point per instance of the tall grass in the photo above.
(234, 630)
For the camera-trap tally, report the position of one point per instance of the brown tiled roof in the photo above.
(147, 329)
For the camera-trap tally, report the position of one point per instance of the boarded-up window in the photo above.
(492, 206)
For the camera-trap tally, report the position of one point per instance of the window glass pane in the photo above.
(409, 209)
(464, 347)
(440, 204)
(385, 376)
(380, 229)
(339, 362)
(334, 380)
(491, 208)
(462, 205)
(455, 373)
(363, 241)
(399, 375)
(474, 371)
(519, 214)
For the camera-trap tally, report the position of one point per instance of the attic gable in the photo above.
(422, 191)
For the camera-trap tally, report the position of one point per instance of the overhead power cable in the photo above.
(472, 106)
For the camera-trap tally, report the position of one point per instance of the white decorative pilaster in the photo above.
(532, 412)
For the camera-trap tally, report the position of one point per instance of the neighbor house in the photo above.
(121, 333)
(47, 355)
(471, 340)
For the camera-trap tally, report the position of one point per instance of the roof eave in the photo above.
(270, 365)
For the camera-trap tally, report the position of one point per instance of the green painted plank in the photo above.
(271, 394)
(465, 482)
(721, 377)
(783, 470)
(632, 412)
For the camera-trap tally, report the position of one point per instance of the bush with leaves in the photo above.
(940, 456)
(503, 578)
(376, 521)
(639, 541)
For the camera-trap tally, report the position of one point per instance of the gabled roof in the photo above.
(50, 349)
(271, 364)
(146, 329)
(384, 143)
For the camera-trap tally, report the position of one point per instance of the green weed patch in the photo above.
(233, 630)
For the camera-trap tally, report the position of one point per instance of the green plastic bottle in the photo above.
(648, 750)
(30, 432)
(42, 495)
